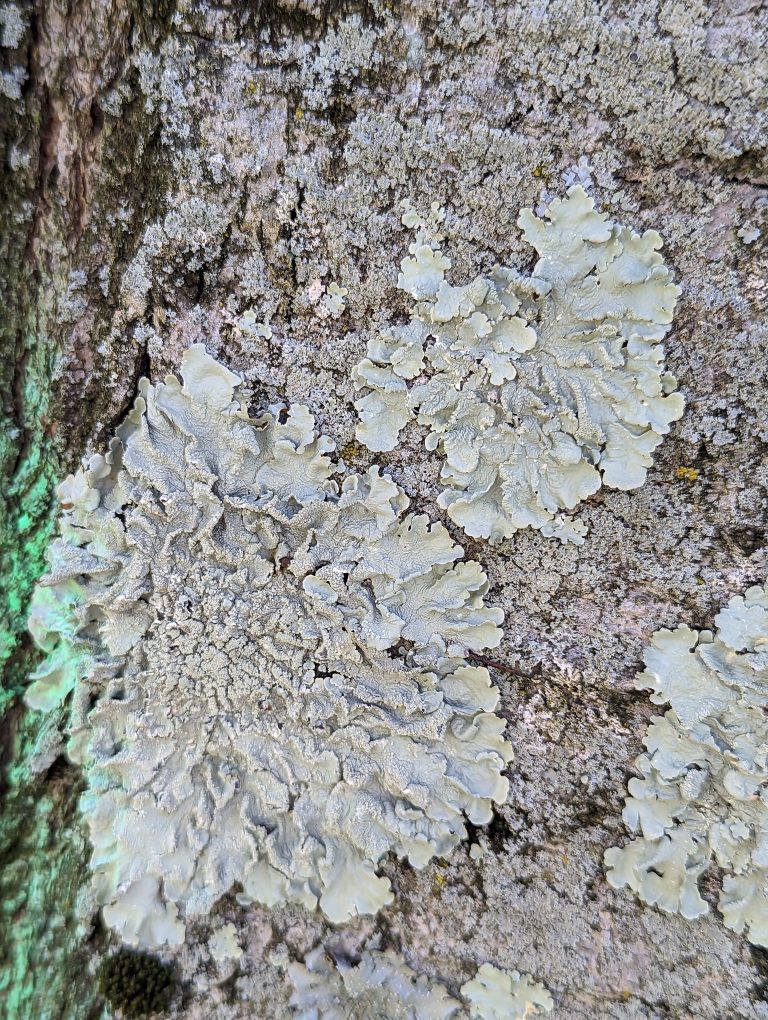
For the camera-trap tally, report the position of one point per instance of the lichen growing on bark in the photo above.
(381, 985)
(495, 994)
(702, 796)
(267, 669)
(537, 390)
(140, 109)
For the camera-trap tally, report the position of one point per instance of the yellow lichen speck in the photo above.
(687, 474)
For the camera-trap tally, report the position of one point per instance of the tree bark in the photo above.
(171, 165)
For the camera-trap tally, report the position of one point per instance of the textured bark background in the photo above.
(172, 165)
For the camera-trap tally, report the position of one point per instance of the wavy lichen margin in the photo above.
(703, 795)
(382, 985)
(536, 390)
(267, 670)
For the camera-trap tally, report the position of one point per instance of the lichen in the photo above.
(537, 390)
(267, 670)
(335, 300)
(223, 945)
(12, 26)
(702, 795)
(748, 233)
(495, 994)
(381, 985)
(579, 173)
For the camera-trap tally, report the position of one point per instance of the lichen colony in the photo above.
(267, 669)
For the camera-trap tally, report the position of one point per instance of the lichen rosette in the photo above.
(536, 390)
(267, 670)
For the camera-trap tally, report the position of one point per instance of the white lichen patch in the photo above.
(250, 324)
(268, 673)
(579, 173)
(536, 390)
(223, 945)
(748, 233)
(335, 300)
(703, 795)
(381, 985)
(12, 26)
(495, 994)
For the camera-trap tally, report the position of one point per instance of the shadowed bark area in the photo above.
(171, 166)
(57, 149)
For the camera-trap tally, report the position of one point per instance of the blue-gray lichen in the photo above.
(495, 994)
(538, 389)
(268, 671)
(382, 985)
(705, 771)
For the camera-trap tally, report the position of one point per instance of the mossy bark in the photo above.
(57, 147)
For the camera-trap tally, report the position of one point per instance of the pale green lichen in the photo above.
(495, 994)
(267, 669)
(748, 233)
(383, 986)
(537, 390)
(702, 796)
(335, 301)
(223, 945)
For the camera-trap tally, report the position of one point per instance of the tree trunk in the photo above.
(170, 166)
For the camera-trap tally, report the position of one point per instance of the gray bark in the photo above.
(171, 165)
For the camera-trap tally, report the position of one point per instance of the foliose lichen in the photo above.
(335, 300)
(267, 669)
(703, 794)
(382, 985)
(495, 994)
(223, 945)
(537, 390)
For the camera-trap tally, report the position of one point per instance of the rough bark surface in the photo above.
(172, 165)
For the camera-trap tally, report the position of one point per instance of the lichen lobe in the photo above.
(269, 674)
(702, 795)
(536, 390)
